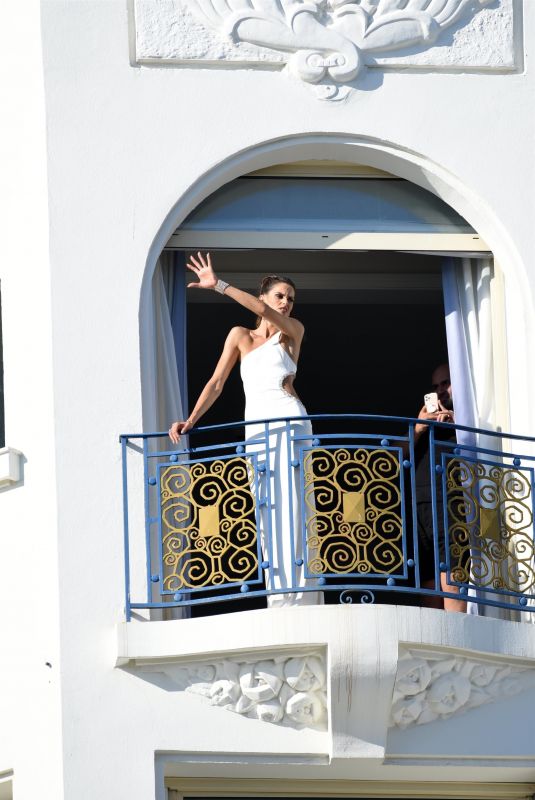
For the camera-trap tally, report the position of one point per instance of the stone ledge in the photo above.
(409, 684)
(311, 626)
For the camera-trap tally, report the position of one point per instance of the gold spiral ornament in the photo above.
(353, 504)
(209, 532)
(490, 525)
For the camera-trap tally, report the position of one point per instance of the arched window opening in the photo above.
(391, 282)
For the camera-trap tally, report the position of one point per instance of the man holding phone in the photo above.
(438, 406)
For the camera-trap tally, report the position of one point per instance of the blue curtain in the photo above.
(178, 314)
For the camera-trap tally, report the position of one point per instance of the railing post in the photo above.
(267, 509)
(147, 519)
(290, 478)
(128, 611)
(433, 480)
(412, 468)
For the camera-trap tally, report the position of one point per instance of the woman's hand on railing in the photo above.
(177, 429)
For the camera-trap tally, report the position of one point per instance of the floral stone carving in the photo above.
(434, 685)
(323, 42)
(288, 690)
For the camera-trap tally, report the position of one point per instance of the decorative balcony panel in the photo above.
(354, 511)
(489, 518)
(209, 528)
(292, 517)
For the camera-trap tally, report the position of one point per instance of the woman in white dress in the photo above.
(269, 354)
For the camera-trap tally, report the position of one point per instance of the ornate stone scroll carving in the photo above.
(323, 42)
(284, 689)
(433, 685)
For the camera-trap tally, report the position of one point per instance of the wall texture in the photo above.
(106, 151)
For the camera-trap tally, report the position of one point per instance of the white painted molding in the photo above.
(337, 240)
(433, 685)
(326, 43)
(10, 466)
(287, 689)
(408, 788)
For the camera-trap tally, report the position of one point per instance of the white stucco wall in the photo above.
(30, 702)
(128, 151)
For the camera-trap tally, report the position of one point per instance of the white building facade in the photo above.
(119, 120)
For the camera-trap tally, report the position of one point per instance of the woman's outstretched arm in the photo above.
(202, 267)
(213, 387)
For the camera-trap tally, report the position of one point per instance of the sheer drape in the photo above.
(469, 309)
(162, 395)
(467, 302)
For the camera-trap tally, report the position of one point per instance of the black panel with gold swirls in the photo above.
(209, 531)
(353, 499)
(490, 525)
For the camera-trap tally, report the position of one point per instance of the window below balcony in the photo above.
(325, 789)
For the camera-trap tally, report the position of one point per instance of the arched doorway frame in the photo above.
(406, 164)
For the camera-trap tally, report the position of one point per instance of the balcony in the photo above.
(289, 517)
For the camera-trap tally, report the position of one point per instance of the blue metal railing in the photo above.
(348, 511)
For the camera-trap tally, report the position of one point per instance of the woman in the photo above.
(268, 355)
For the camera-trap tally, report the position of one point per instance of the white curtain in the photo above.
(162, 396)
(467, 299)
(468, 307)
(161, 390)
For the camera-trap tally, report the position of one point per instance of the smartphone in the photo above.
(431, 402)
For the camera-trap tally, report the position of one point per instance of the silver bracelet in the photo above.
(221, 286)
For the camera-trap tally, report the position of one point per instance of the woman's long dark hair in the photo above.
(268, 282)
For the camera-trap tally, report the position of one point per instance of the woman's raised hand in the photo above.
(202, 267)
(177, 429)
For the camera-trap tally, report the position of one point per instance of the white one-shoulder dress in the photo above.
(264, 371)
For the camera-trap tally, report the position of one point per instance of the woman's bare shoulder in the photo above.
(239, 332)
(298, 330)
(238, 335)
(297, 337)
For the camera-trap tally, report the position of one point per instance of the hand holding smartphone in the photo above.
(431, 402)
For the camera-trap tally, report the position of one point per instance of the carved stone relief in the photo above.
(434, 685)
(284, 689)
(326, 43)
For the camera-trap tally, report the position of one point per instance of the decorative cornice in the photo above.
(283, 689)
(433, 685)
(324, 43)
